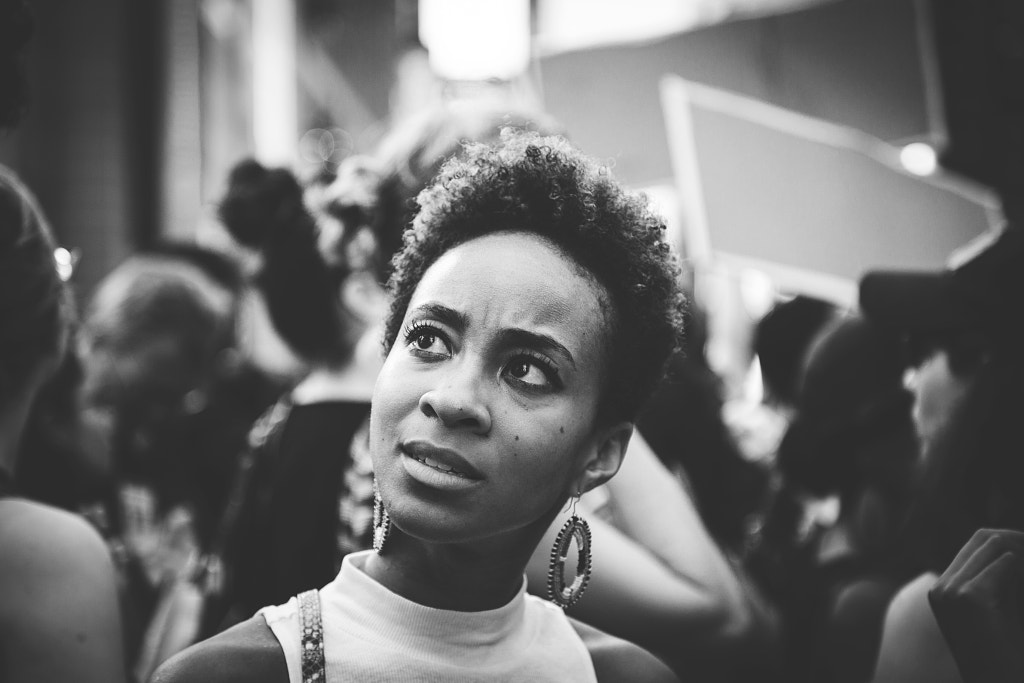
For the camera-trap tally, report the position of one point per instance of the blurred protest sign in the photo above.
(810, 203)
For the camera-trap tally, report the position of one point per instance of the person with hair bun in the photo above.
(302, 496)
(534, 305)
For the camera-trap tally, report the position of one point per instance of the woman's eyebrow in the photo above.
(515, 336)
(443, 314)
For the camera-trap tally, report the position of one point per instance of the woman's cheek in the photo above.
(551, 446)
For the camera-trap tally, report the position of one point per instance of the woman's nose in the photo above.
(459, 404)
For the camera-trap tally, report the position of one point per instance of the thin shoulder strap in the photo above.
(311, 638)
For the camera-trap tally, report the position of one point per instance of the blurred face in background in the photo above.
(144, 385)
(938, 393)
(148, 342)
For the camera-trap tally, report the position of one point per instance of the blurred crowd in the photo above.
(159, 482)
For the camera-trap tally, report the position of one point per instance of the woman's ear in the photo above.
(604, 460)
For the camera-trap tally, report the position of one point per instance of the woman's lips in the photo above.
(438, 466)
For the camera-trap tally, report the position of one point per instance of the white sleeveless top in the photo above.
(371, 634)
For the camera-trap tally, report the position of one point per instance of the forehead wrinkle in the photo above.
(544, 318)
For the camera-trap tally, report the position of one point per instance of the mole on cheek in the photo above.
(517, 437)
(561, 430)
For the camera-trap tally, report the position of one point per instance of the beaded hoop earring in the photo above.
(576, 528)
(381, 521)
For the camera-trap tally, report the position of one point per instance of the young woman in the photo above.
(664, 583)
(534, 306)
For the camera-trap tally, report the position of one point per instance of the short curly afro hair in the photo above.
(543, 186)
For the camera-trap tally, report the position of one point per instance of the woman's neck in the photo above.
(459, 577)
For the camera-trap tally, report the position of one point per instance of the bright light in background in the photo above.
(919, 159)
(753, 384)
(758, 292)
(578, 24)
(274, 81)
(476, 40)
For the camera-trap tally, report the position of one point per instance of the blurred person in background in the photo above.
(850, 448)
(59, 618)
(172, 399)
(965, 334)
(302, 498)
(779, 343)
(782, 338)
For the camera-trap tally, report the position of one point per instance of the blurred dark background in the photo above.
(139, 108)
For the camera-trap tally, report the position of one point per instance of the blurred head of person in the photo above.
(852, 433)
(964, 332)
(158, 350)
(301, 279)
(781, 339)
(36, 309)
(378, 193)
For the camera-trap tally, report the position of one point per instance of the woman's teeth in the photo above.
(430, 462)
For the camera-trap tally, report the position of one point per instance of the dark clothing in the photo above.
(286, 529)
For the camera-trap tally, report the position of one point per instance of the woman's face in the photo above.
(938, 394)
(484, 413)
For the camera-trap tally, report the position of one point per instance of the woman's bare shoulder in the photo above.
(617, 660)
(39, 540)
(246, 652)
(34, 526)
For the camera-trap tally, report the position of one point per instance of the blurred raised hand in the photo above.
(979, 605)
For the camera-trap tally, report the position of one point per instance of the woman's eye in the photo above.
(426, 340)
(531, 372)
